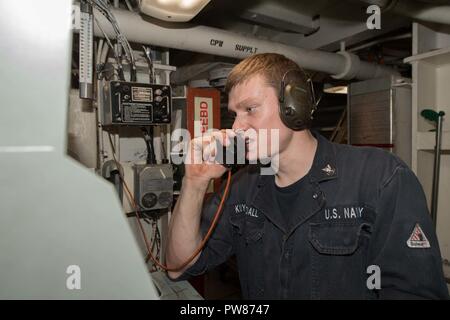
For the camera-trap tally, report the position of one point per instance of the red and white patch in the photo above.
(418, 238)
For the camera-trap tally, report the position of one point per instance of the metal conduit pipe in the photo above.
(342, 65)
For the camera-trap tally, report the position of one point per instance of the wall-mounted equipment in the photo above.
(86, 50)
(153, 186)
(203, 114)
(139, 104)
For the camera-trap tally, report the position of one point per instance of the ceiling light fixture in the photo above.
(172, 10)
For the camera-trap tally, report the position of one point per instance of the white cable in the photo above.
(104, 9)
(129, 6)
(104, 54)
(104, 33)
(99, 52)
(109, 42)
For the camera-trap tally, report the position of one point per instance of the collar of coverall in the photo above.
(324, 163)
(323, 169)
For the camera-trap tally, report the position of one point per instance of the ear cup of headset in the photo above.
(295, 109)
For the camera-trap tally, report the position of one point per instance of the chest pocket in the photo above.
(335, 238)
(338, 259)
(248, 238)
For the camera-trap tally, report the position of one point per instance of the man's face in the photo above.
(255, 104)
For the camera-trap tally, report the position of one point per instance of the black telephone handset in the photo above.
(233, 155)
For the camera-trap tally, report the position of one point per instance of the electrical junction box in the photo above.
(138, 104)
(153, 186)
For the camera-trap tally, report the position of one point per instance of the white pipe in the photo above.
(99, 52)
(104, 53)
(416, 10)
(224, 43)
(101, 148)
(117, 144)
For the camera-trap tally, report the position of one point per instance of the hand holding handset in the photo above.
(209, 156)
(232, 155)
(228, 156)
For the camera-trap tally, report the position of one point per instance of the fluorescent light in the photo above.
(167, 2)
(187, 4)
(329, 88)
(172, 10)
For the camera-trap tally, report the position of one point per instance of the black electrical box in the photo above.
(140, 104)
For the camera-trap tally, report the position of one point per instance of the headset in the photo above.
(297, 104)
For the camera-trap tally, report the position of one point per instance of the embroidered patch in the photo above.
(417, 239)
(249, 211)
(343, 212)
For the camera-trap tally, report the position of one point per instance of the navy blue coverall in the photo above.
(366, 208)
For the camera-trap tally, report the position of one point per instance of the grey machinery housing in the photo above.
(153, 186)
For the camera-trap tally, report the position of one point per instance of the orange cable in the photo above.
(132, 202)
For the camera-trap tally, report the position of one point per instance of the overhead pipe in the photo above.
(190, 71)
(414, 9)
(342, 65)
